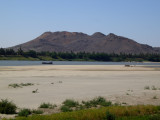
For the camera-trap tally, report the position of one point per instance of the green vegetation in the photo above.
(26, 84)
(24, 112)
(139, 112)
(147, 88)
(16, 85)
(99, 101)
(27, 112)
(110, 116)
(17, 57)
(143, 117)
(124, 103)
(154, 88)
(96, 109)
(47, 105)
(71, 105)
(151, 88)
(10, 54)
(155, 97)
(37, 111)
(7, 107)
(66, 109)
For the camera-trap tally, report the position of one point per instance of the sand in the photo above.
(56, 83)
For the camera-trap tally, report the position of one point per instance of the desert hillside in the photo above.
(81, 42)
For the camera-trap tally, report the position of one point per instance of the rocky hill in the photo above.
(80, 42)
(157, 49)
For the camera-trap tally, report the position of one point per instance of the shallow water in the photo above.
(25, 63)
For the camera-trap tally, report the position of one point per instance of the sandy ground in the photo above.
(57, 83)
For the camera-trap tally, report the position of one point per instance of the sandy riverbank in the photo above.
(80, 82)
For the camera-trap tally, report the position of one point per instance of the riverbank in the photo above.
(84, 57)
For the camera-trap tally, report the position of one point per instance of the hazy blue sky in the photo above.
(24, 20)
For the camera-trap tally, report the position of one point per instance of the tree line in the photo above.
(82, 55)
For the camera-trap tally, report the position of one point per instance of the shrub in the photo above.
(24, 112)
(146, 87)
(26, 84)
(65, 109)
(86, 104)
(7, 107)
(70, 103)
(117, 104)
(124, 103)
(47, 105)
(15, 85)
(154, 88)
(37, 111)
(97, 101)
(155, 97)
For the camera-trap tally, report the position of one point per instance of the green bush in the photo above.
(101, 101)
(24, 112)
(155, 97)
(107, 103)
(47, 105)
(37, 111)
(97, 101)
(26, 84)
(154, 88)
(70, 103)
(15, 85)
(146, 87)
(66, 109)
(7, 107)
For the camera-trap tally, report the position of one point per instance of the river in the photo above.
(27, 63)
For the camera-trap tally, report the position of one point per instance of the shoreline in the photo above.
(79, 60)
(39, 63)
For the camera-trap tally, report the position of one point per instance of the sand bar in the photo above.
(57, 83)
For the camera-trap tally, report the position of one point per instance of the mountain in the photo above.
(80, 42)
(157, 49)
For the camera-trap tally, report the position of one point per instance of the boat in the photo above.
(45, 62)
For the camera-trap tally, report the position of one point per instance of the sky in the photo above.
(24, 20)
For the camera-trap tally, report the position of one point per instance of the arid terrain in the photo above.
(80, 42)
(54, 84)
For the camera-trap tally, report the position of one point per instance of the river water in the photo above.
(25, 63)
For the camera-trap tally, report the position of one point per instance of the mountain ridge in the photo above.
(64, 41)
